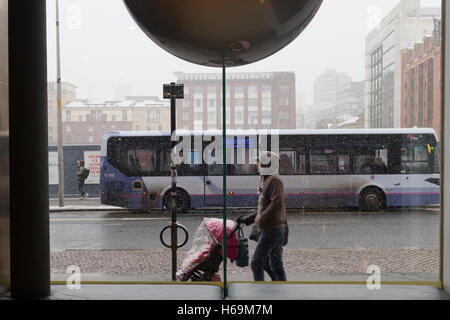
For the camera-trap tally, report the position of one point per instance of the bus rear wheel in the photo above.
(183, 200)
(372, 199)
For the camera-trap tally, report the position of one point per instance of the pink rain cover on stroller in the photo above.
(215, 226)
(209, 231)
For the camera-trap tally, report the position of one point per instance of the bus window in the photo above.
(194, 168)
(165, 160)
(214, 169)
(287, 163)
(371, 160)
(414, 159)
(141, 160)
(246, 169)
(300, 163)
(327, 160)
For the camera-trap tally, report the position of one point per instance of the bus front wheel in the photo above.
(372, 199)
(183, 200)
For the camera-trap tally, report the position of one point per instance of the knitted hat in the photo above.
(270, 162)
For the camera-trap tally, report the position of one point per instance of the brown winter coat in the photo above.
(271, 206)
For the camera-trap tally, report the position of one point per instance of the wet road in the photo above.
(415, 228)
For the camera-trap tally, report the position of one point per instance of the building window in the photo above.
(198, 116)
(267, 91)
(91, 139)
(211, 117)
(198, 91)
(284, 102)
(68, 129)
(185, 116)
(266, 115)
(68, 116)
(91, 129)
(212, 104)
(113, 117)
(253, 104)
(238, 91)
(252, 91)
(198, 104)
(124, 115)
(211, 90)
(284, 89)
(96, 115)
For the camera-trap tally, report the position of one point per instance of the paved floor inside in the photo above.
(246, 291)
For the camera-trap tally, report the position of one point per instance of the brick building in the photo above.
(404, 25)
(85, 122)
(421, 79)
(263, 100)
(68, 94)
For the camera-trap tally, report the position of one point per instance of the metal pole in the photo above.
(173, 195)
(224, 177)
(59, 115)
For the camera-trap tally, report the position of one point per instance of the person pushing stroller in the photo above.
(270, 220)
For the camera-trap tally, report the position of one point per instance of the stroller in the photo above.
(203, 259)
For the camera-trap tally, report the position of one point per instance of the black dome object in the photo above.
(213, 32)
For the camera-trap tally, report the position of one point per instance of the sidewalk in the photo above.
(76, 204)
(300, 264)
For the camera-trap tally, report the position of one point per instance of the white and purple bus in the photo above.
(366, 168)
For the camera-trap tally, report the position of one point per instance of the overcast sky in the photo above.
(102, 47)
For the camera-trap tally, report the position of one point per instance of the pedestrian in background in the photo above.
(81, 176)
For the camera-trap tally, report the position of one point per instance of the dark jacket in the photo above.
(271, 206)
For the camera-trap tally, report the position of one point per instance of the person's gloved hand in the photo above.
(249, 219)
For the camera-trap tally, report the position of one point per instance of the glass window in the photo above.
(198, 104)
(284, 89)
(414, 159)
(198, 91)
(211, 90)
(194, 168)
(329, 160)
(287, 161)
(238, 90)
(371, 159)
